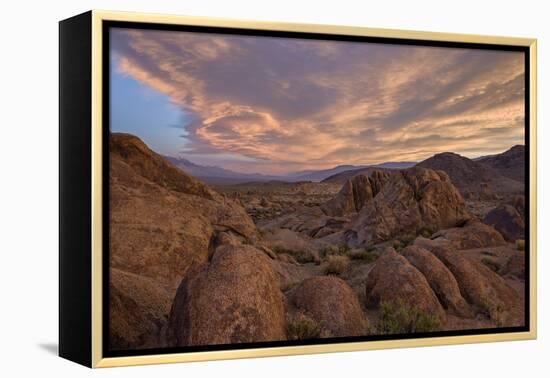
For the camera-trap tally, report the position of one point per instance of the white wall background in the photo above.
(28, 187)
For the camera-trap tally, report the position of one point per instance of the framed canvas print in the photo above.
(236, 189)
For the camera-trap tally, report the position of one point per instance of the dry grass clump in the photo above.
(366, 255)
(400, 318)
(328, 251)
(301, 256)
(426, 232)
(336, 264)
(302, 327)
(403, 241)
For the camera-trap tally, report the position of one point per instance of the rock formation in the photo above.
(138, 310)
(441, 280)
(162, 223)
(234, 299)
(412, 200)
(473, 234)
(395, 279)
(482, 287)
(508, 221)
(355, 193)
(332, 304)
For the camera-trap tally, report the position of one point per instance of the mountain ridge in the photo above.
(472, 177)
(510, 163)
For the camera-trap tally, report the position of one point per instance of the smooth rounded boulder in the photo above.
(393, 279)
(333, 304)
(138, 311)
(482, 287)
(473, 234)
(234, 299)
(440, 278)
(162, 220)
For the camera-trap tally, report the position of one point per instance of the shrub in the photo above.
(398, 245)
(327, 251)
(343, 250)
(336, 264)
(426, 232)
(301, 256)
(365, 255)
(302, 327)
(400, 318)
(493, 311)
(403, 241)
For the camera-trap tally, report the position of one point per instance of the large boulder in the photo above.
(162, 220)
(154, 167)
(473, 234)
(508, 221)
(441, 280)
(163, 223)
(234, 299)
(332, 304)
(482, 287)
(355, 193)
(393, 279)
(138, 311)
(412, 201)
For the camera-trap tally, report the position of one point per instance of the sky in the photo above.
(279, 105)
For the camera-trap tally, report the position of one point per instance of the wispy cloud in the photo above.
(288, 104)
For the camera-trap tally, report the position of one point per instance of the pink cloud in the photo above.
(287, 103)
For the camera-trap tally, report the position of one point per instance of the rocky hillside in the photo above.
(393, 252)
(510, 163)
(383, 206)
(472, 178)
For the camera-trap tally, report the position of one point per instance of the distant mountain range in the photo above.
(222, 176)
(343, 176)
(217, 175)
(319, 175)
(498, 173)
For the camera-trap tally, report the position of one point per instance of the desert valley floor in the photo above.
(431, 247)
